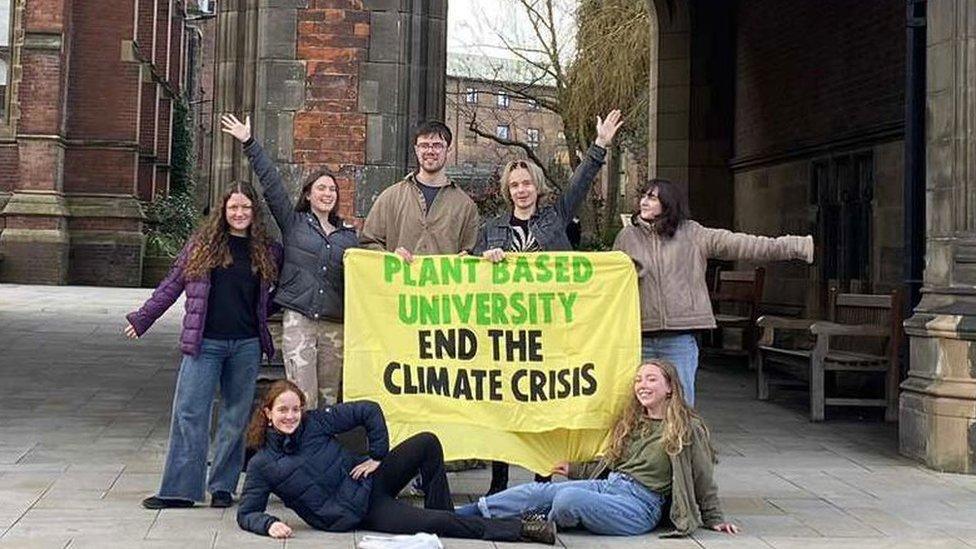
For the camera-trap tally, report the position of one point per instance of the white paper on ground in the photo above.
(416, 541)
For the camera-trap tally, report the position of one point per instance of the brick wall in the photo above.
(809, 72)
(40, 93)
(102, 88)
(333, 37)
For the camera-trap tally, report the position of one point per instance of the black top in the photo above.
(233, 302)
(522, 238)
(430, 193)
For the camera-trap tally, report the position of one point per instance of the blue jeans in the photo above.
(680, 350)
(233, 364)
(617, 506)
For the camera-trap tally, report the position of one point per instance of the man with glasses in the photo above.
(424, 214)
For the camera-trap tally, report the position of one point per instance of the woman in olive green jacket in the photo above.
(659, 453)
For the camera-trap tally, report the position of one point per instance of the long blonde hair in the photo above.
(678, 419)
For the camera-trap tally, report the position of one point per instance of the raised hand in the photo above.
(231, 125)
(607, 127)
(130, 332)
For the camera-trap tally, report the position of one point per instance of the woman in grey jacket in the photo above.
(671, 253)
(311, 282)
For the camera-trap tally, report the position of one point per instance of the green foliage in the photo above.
(170, 220)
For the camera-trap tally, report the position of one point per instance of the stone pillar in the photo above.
(403, 83)
(938, 401)
(34, 241)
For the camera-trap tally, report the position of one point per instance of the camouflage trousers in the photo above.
(312, 350)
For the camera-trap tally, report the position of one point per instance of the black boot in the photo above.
(499, 477)
(538, 531)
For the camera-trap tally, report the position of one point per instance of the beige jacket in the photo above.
(671, 271)
(694, 494)
(400, 217)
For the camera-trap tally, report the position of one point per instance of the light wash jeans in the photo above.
(617, 506)
(680, 350)
(233, 364)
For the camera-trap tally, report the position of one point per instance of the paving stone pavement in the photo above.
(85, 417)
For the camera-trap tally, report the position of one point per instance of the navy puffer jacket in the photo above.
(311, 279)
(309, 470)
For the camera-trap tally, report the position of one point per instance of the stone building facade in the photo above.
(84, 134)
(329, 83)
(497, 97)
(798, 114)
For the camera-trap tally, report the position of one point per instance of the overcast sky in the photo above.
(473, 26)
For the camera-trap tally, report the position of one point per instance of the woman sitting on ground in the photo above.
(330, 488)
(659, 451)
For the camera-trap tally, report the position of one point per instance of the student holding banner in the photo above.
(299, 460)
(227, 270)
(527, 227)
(425, 213)
(311, 282)
(671, 253)
(659, 454)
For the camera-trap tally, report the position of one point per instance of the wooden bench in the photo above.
(863, 334)
(735, 303)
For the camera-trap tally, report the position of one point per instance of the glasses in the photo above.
(518, 164)
(436, 147)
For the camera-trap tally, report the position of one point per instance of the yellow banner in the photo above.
(527, 361)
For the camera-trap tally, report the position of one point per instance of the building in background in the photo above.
(86, 112)
(496, 95)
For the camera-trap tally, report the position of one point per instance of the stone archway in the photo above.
(669, 87)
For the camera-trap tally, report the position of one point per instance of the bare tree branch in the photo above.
(529, 151)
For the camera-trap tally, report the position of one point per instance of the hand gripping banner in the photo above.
(527, 361)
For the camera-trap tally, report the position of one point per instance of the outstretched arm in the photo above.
(723, 244)
(161, 299)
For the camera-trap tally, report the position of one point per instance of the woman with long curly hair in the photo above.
(299, 460)
(312, 281)
(227, 270)
(659, 451)
(670, 252)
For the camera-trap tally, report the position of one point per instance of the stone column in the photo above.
(34, 242)
(402, 83)
(938, 401)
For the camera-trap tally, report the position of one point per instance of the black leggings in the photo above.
(423, 452)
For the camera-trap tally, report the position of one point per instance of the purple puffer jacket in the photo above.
(197, 298)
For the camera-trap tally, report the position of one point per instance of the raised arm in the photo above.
(273, 189)
(582, 179)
